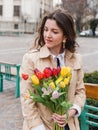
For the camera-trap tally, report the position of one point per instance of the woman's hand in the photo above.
(61, 119)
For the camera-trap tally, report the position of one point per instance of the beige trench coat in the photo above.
(37, 114)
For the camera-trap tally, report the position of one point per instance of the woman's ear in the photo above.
(64, 40)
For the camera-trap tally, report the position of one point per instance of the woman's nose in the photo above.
(48, 34)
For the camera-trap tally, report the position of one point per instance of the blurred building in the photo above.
(91, 12)
(22, 15)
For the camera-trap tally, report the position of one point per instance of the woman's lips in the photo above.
(48, 40)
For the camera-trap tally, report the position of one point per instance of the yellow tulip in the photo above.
(66, 81)
(52, 85)
(34, 79)
(62, 84)
(65, 71)
(69, 76)
(59, 80)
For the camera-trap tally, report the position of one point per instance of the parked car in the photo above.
(88, 33)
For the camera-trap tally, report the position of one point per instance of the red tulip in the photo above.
(56, 71)
(36, 70)
(47, 72)
(40, 75)
(25, 76)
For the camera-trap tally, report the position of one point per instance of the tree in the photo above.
(93, 25)
(77, 8)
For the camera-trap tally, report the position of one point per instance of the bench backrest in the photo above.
(9, 70)
(88, 116)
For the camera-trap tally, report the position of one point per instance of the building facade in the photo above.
(22, 15)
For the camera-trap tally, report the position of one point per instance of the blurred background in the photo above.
(22, 16)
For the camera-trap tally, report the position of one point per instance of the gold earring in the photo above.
(63, 45)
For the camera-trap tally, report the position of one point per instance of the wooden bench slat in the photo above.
(91, 90)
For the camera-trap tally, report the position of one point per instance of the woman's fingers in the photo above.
(60, 119)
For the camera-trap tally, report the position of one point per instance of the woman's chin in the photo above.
(48, 45)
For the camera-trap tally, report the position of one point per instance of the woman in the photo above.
(55, 45)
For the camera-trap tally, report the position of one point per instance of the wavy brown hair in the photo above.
(64, 21)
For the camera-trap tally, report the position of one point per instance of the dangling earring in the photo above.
(63, 44)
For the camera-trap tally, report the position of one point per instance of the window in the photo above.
(17, 10)
(15, 26)
(1, 10)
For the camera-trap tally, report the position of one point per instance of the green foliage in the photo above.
(91, 77)
(94, 23)
(93, 26)
(92, 101)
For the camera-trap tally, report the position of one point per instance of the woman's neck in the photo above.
(56, 51)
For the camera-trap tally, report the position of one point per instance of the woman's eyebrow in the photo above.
(52, 28)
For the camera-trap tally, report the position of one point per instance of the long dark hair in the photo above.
(65, 21)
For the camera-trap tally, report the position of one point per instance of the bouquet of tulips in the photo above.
(51, 86)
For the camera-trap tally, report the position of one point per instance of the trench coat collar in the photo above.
(70, 58)
(73, 60)
(44, 52)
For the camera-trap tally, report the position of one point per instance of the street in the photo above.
(89, 51)
(12, 50)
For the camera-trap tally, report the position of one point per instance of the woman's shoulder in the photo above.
(77, 55)
(31, 54)
(33, 50)
(74, 55)
(78, 58)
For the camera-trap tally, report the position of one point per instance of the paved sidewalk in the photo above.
(10, 108)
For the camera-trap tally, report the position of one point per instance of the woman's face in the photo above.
(53, 36)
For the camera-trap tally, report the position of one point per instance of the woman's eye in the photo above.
(55, 32)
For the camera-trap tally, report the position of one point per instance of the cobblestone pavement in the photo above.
(12, 49)
(10, 108)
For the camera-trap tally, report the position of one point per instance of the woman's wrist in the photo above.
(72, 113)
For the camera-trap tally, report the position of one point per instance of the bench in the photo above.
(10, 72)
(88, 117)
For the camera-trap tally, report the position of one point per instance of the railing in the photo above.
(88, 117)
(10, 72)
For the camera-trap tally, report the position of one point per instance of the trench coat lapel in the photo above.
(71, 61)
(70, 57)
(44, 52)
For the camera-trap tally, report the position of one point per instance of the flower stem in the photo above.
(57, 127)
